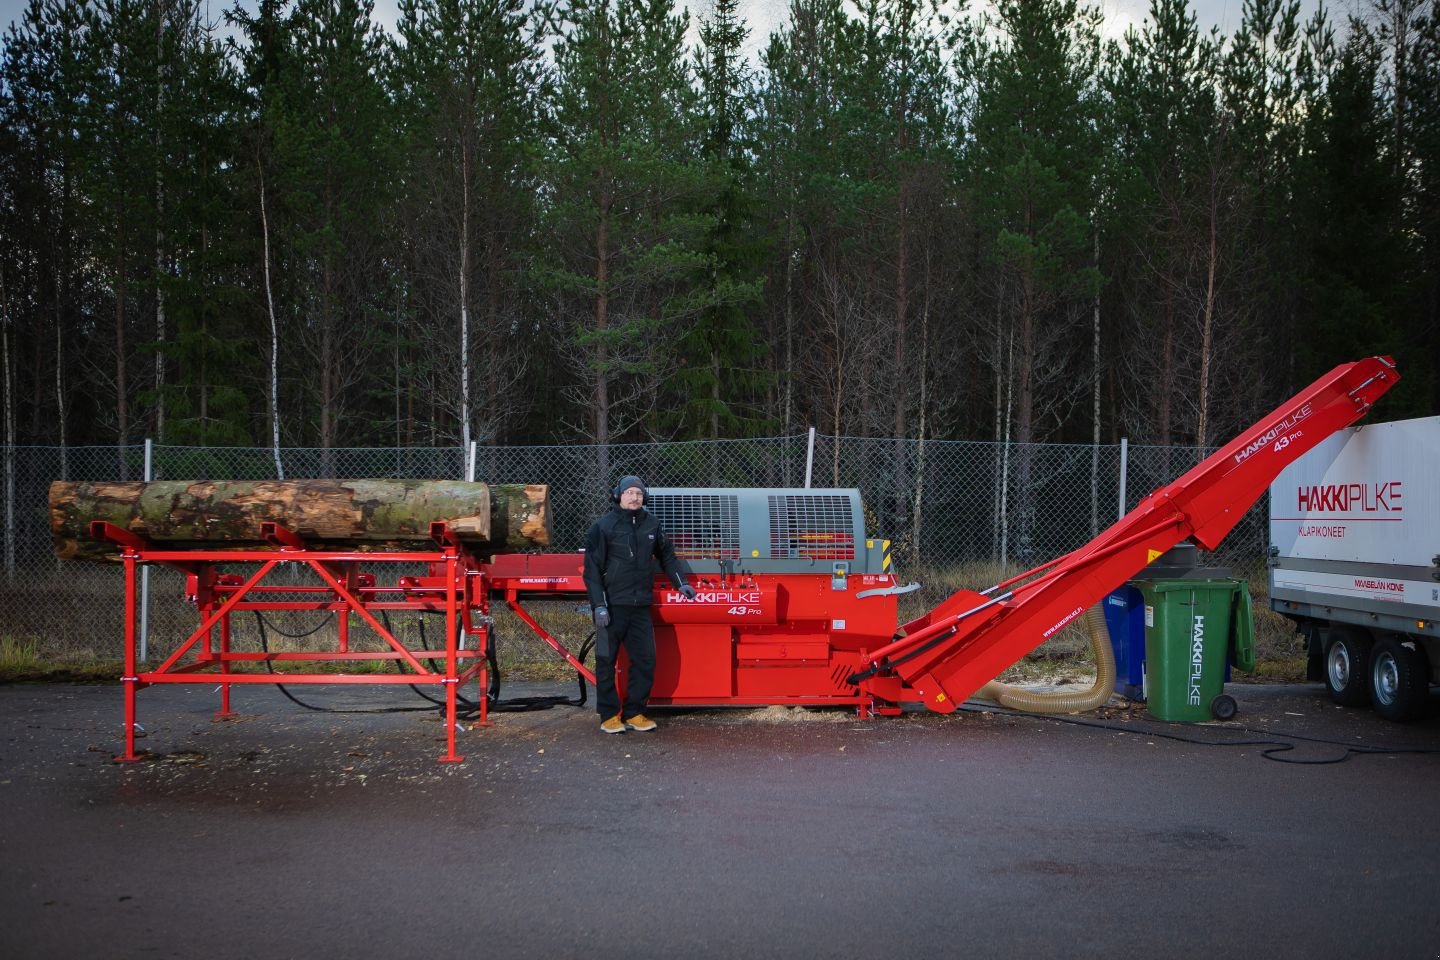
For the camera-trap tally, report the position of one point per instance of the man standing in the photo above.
(620, 551)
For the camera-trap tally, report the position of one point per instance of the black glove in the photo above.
(688, 591)
(602, 617)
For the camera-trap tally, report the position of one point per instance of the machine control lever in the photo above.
(888, 591)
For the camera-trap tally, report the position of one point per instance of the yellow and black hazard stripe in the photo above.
(884, 553)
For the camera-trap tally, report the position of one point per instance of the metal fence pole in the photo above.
(809, 457)
(145, 571)
(1124, 468)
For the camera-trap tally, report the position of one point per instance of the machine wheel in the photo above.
(1399, 680)
(1223, 707)
(1347, 668)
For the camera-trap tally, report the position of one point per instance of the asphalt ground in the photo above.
(291, 833)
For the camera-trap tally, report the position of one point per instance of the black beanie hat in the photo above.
(625, 484)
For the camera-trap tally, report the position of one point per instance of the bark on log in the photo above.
(367, 515)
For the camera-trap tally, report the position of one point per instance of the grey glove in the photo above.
(688, 591)
(602, 617)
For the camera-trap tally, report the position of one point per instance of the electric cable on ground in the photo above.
(1276, 747)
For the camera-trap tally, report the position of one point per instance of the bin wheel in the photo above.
(1399, 680)
(1347, 667)
(1224, 707)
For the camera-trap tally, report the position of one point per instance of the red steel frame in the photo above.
(218, 596)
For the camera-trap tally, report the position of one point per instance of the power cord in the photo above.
(1275, 747)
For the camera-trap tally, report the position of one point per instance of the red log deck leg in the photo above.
(452, 679)
(225, 710)
(130, 680)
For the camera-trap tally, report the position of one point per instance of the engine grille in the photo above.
(811, 527)
(700, 526)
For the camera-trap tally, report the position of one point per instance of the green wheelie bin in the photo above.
(1194, 631)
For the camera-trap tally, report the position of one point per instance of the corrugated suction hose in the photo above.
(1033, 701)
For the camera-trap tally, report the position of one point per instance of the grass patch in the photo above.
(23, 661)
(17, 655)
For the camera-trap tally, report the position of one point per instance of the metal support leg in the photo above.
(450, 720)
(129, 756)
(130, 680)
(484, 684)
(225, 710)
(452, 678)
(482, 678)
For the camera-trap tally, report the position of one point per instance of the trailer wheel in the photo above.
(1399, 680)
(1223, 707)
(1347, 668)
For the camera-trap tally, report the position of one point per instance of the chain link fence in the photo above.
(943, 504)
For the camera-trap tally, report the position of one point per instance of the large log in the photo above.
(367, 515)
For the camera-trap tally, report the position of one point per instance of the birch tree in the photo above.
(469, 80)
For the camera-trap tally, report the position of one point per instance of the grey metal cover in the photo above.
(763, 529)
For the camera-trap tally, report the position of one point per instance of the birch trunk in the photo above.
(274, 332)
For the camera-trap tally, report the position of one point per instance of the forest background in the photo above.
(594, 221)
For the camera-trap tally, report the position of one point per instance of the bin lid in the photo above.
(1173, 584)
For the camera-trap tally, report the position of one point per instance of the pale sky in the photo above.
(763, 15)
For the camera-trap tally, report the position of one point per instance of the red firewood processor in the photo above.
(795, 605)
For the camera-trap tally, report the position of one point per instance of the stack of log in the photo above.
(359, 515)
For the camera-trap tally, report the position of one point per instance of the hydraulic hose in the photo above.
(1033, 701)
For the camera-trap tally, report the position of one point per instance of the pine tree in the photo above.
(1270, 80)
(1178, 265)
(49, 73)
(718, 383)
(211, 387)
(1422, 321)
(1032, 166)
(623, 239)
(1360, 287)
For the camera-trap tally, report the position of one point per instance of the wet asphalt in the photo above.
(727, 833)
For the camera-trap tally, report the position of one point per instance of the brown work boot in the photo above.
(641, 723)
(613, 725)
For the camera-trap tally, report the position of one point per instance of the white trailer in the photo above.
(1355, 562)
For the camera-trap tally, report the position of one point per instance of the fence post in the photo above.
(145, 570)
(809, 457)
(1124, 471)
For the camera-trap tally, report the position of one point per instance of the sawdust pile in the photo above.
(776, 713)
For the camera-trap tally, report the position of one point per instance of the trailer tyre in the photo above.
(1347, 668)
(1399, 680)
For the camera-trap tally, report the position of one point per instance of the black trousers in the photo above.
(632, 629)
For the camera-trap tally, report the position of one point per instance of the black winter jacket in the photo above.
(620, 553)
